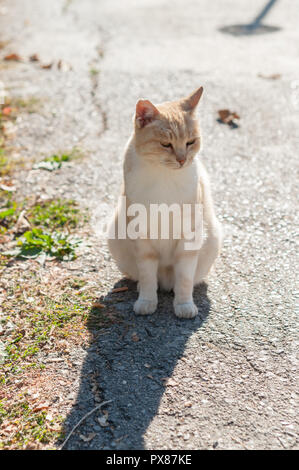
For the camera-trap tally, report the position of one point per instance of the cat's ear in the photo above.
(190, 102)
(146, 112)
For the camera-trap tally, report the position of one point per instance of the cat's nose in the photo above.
(181, 160)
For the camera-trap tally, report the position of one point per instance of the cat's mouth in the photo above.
(175, 165)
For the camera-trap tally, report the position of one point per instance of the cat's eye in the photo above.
(191, 142)
(166, 145)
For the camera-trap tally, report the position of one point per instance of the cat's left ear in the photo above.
(190, 103)
(146, 112)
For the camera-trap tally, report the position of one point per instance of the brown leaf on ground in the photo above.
(3, 44)
(135, 337)
(98, 305)
(63, 66)
(42, 406)
(87, 438)
(22, 224)
(13, 56)
(103, 421)
(6, 110)
(8, 187)
(227, 117)
(169, 381)
(34, 58)
(119, 289)
(47, 66)
(273, 76)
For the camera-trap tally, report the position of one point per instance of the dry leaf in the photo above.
(63, 66)
(274, 76)
(34, 58)
(6, 110)
(169, 382)
(187, 404)
(135, 337)
(7, 187)
(47, 66)
(227, 117)
(22, 224)
(88, 438)
(98, 305)
(41, 406)
(119, 289)
(15, 57)
(103, 421)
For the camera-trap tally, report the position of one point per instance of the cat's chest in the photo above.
(162, 187)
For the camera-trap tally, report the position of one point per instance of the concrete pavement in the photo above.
(226, 380)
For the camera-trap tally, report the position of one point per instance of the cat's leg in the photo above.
(184, 270)
(147, 265)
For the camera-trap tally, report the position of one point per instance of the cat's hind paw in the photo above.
(145, 307)
(186, 310)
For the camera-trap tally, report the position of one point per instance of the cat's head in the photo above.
(168, 134)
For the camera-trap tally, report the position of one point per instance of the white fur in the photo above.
(166, 261)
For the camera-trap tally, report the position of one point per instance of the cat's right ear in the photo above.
(146, 112)
(190, 103)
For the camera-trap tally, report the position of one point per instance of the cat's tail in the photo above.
(213, 241)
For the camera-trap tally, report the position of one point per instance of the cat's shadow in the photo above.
(128, 363)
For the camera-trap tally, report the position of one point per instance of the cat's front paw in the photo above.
(186, 310)
(145, 307)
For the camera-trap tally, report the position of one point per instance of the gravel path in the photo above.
(226, 379)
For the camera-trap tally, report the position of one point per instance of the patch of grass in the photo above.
(55, 214)
(43, 315)
(8, 211)
(47, 321)
(9, 111)
(94, 71)
(55, 162)
(22, 426)
(31, 104)
(51, 226)
(55, 244)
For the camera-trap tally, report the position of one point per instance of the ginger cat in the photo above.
(160, 167)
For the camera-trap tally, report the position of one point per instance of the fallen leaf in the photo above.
(135, 337)
(227, 117)
(3, 44)
(169, 381)
(88, 438)
(63, 66)
(119, 289)
(47, 165)
(6, 187)
(22, 224)
(273, 76)
(34, 58)
(41, 406)
(14, 57)
(187, 404)
(98, 305)
(47, 66)
(6, 111)
(103, 421)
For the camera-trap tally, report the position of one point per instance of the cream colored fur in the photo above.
(160, 167)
